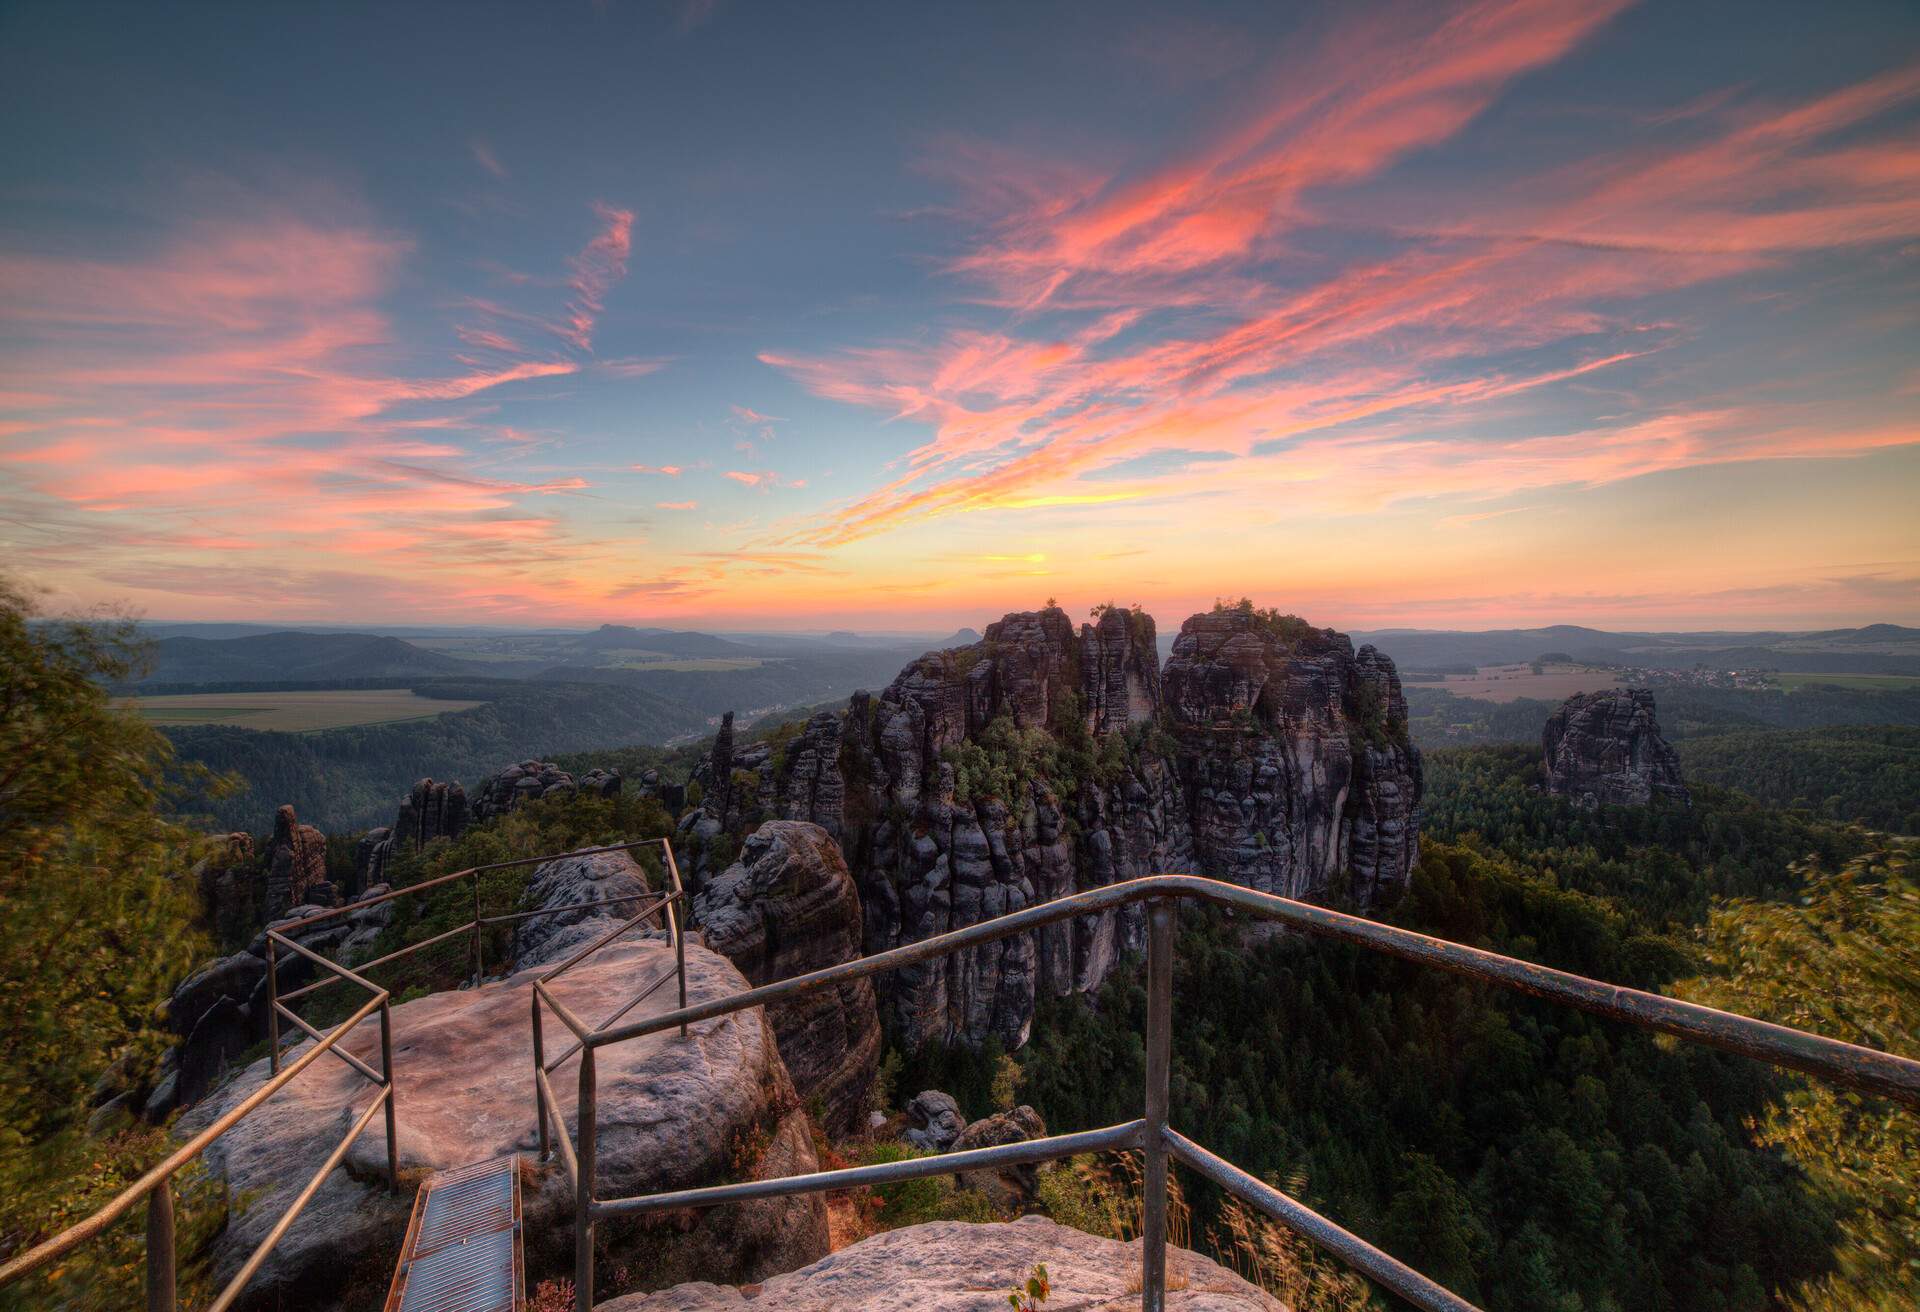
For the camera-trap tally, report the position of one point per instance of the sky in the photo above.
(827, 316)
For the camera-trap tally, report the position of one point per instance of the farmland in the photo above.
(294, 712)
(1507, 683)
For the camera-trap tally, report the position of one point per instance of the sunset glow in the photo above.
(1510, 312)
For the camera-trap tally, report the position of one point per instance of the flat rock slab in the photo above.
(673, 1113)
(953, 1266)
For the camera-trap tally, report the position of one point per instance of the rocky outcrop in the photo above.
(430, 810)
(220, 1010)
(1294, 758)
(577, 884)
(1042, 761)
(1605, 749)
(1010, 1188)
(934, 1121)
(673, 1113)
(296, 864)
(952, 1266)
(786, 908)
(530, 779)
(231, 888)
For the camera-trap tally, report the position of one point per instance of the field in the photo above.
(1870, 682)
(648, 660)
(294, 712)
(1507, 683)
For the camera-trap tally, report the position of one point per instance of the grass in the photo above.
(1881, 682)
(295, 712)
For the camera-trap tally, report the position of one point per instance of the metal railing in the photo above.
(580, 1162)
(1859, 1068)
(156, 1185)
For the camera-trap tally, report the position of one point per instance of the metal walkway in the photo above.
(462, 1252)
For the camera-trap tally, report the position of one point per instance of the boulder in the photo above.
(786, 908)
(1010, 1188)
(1605, 749)
(934, 1121)
(952, 1266)
(576, 883)
(673, 1113)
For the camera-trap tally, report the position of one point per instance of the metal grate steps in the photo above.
(462, 1252)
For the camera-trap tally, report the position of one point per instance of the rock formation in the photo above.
(1042, 761)
(231, 889)
(673, 1113)
(951, 1266)
(430, 810)
(220, 1010)
(787, 907)
(530, 779)
(1009, 1188)
(934, 1121)
(576, 882)
(1605, 749)
(296, 863)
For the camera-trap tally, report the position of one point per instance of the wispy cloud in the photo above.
(483, 156)
(1196, 302)
(595, 269)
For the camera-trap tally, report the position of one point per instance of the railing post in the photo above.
(539, 1068)
(679, 956)
(273, 1008)
(386, 1068)
(479, 942)
(583, 1192)
(160, 1254)
(1153, 1229)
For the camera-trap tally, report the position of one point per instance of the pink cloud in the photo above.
(595, 269)
(1146, 316)
(676, 505)
(668, 471)
(763, 479)
(483, 156)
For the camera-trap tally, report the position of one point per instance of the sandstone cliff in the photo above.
(787, 907)
(1605, 749)
(296, 865)
(1043, 760)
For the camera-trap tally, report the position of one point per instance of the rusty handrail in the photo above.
(155, 1186)
(1847, 1064)
(579, 1161)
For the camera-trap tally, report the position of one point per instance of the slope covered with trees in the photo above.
(1528, 1155)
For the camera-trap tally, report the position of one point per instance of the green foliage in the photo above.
(99, 910)
(916, 1202)
(1869, 774)
(1037, 1289)
(1843, 960)
(1287, 629)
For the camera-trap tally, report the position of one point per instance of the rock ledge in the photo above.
(952, 1266)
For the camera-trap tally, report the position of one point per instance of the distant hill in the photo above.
(1875, 649)
(962, 638)
(295, 656)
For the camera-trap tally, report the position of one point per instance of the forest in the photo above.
(1527, 1155)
